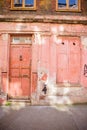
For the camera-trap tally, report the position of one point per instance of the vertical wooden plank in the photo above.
(74, 60)
(26, 69)
(62, 61)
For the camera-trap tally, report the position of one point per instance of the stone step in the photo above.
(19, 102)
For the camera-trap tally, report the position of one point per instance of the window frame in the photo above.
(23, 6)
(67, 7)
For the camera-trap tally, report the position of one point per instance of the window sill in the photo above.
(22, 9)
(68, 10)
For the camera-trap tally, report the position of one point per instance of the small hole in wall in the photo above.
(63, 43)
(74, 44)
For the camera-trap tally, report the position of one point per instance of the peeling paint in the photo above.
(84, 41)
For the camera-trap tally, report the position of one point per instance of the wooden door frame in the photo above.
(9, 55)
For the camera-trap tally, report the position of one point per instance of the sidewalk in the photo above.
(61, 95)
(58, 117)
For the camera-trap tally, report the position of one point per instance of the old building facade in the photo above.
(43, 47)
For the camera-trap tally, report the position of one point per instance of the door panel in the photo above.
(15, 87)
(25, 84)
(62, 69)
(26, 55)
(74, 60)
(62, 61)
(74, 68)
(20, 71)
(15, 72)
(15, 53)
(25, 73)
(68, 60)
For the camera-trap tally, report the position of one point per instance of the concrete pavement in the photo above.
(60, 117)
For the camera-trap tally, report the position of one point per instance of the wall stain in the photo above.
(85, 70)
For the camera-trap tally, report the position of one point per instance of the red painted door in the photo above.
(20, 71)
(68, 60)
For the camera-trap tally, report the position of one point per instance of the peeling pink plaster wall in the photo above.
(44, 45)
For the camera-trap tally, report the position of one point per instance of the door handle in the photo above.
(20, 58)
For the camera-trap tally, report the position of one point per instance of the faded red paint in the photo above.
(44, 77)
(68, 60)
(34, 82)
(62, 62)
(4, 82)
(20, 70)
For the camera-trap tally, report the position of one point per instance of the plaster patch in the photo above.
(84, 41)
(5, 37)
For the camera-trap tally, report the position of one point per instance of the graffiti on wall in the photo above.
(85, 70)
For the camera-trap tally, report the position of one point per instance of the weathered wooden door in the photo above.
(68, 60)
(20, 71)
